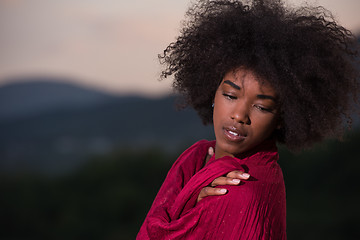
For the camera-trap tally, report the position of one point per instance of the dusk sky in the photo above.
(106, 44)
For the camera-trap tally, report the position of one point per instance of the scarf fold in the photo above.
(255, 209)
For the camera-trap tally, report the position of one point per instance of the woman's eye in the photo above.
(228, 96)
(263, 109)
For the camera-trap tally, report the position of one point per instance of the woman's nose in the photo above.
(241, 113)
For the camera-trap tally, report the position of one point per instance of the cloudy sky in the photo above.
(107, 44)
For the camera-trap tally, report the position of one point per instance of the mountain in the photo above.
(54, 127)
(35, 95)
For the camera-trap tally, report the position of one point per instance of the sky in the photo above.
(111, 45)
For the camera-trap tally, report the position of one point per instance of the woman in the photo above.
(262, 74)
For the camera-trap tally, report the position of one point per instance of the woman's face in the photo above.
(245, 113)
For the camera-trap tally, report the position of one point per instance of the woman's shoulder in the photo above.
(192, 159)
(202, 144)
(197, 150)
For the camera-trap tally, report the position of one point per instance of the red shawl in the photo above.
(255, 209)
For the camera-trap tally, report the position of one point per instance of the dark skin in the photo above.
(252, 110)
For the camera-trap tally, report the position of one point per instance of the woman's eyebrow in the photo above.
(261, 96)
(232, 84)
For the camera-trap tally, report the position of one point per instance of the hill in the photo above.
(53, 127)
(26, 97)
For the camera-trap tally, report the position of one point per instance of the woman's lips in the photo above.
(234, 134)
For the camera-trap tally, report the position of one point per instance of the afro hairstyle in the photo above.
(308, 58)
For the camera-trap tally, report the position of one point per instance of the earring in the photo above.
(213, 105)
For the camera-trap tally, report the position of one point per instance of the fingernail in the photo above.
(246, 175)
(236, 181)
(223, 191)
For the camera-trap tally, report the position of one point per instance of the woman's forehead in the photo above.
(239, 77)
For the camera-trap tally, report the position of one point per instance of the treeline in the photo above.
(109, 197)
(106, 199)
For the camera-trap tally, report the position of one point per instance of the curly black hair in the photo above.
(309, 59)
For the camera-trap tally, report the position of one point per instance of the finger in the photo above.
(211, 151)
(210, 154)
(225, 181)
(238, 174)
(210, 191)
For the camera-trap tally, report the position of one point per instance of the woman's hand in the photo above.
(232, 178)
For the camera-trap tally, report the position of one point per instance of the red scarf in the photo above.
(255, 209)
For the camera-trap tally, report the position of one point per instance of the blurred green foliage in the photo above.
(109, 197)
(323, 190)
(106, 199)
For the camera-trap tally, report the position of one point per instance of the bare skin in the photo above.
(245, 114)
(232, 178)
